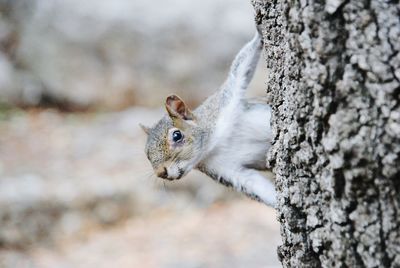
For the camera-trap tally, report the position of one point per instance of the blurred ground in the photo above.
(75, 187)
(239, 234)
(76, 191)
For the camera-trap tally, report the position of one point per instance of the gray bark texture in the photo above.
(334, 85)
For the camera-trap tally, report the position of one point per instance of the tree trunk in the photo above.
(334, 85)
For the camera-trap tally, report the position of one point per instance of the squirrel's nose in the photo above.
(162, 172)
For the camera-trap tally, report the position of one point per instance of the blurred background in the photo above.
(76, 190)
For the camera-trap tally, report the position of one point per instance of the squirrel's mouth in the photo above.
(180, 174)
(173, 178)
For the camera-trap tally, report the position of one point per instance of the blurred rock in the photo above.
(112, 54)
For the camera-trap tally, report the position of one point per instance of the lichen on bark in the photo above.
(334, 84)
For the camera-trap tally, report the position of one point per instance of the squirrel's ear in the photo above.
(145, 129)
(177, 108)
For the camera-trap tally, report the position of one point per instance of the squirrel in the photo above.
(226, 137)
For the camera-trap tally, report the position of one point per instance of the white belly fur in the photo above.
(247, 142)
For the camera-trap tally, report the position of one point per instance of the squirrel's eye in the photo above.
(177, 136)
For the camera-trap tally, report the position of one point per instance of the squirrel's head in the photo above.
(174, 143)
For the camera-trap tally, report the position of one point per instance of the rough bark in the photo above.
(334, 85)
